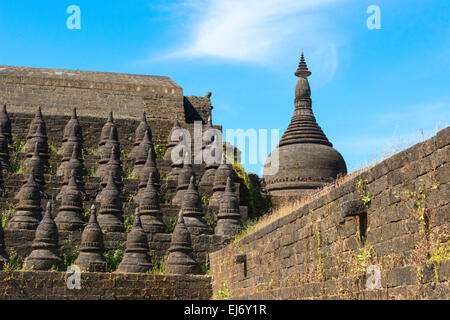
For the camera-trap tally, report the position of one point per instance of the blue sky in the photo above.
(374, 91)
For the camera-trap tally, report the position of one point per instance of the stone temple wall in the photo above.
(26, 285)
(393, 216)
(96, 93)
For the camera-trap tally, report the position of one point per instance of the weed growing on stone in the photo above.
(15, 261)
(159, 267)
(91, 171)
(17, 144)
(7, 215)
(205, 269)
(160, 148)
(53, 148)
(113, 259)
(224, 292)
(171, 225)
(128, 222)
(16, 165)
(70, 253)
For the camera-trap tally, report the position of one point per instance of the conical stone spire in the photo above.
(106, 134)
(192, 210)
(106, 150)
(38, 119)
(303, 127)
(150, 210)
(136, 259)
(114, 168)
(139, 135)
(110, 213)
(149, 169)
(145, 147)
(3, 255)
(91, 257)
(209, 152)
(28, 211)
(304, 159)
(76, 168)
(184, 178)
(39, 138)
(73, 160)
(223, 172)
(172, 143)
(229, 221)
(5, 124)
(35, 164)
(181, 259)
(4, 149)
(69, 217)
(44, 254)
(72, 131)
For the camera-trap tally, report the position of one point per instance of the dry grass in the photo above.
(289, 207)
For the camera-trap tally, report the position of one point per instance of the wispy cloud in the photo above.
(259, 31)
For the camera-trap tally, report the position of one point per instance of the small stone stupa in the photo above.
(106, 130)
(73, 168)
(184, 178)
(181, 259)
(151, 216)
(72, 131)
(172, 142)
(192, 210)
(40, 139)
(229, 220)
(4, 149)
(145, 147)
(27, 214)
(69, 217)
(5, 124)
(91, 257)
(35, 122)
(304, 159)
(223, 172)
(211, 163)
(110, 214)
(44, 254)
(149, 169)
(139, 135)
(106, 150)
(137, 258)
(114, 168)
(73, 144)
(34, 164)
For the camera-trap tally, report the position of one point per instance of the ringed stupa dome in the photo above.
(306, 158)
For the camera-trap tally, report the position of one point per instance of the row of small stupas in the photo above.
(27, 214)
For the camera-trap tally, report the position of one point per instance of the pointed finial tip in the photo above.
(93, 209)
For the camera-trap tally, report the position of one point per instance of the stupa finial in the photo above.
(302, 70)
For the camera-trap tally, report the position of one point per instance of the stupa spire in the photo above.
(303, 127)
(302, 70)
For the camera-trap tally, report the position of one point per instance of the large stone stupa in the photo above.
(306, 159)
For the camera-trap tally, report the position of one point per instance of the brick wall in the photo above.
(40, 285)
(324, 249)
(93, 93)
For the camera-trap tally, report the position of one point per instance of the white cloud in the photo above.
(261, 32)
